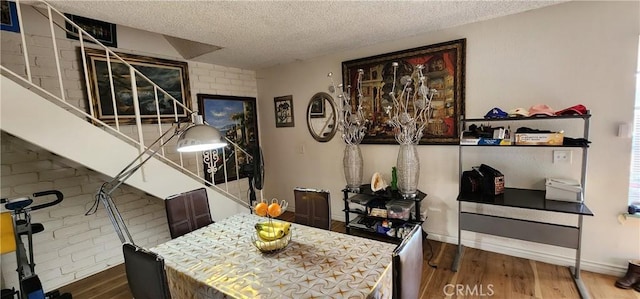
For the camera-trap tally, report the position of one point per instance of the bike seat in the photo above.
(18, 203)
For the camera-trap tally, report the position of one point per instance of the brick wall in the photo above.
(73, 245)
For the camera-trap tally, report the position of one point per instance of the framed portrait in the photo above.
(316, 108)
(284, 111)
(9, 16)
(235, 118)
(172, 76)
(444, 66)
(102, 31)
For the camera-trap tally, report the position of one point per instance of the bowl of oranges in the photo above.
(271, 209)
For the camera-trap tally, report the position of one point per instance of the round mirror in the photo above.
(321, 117)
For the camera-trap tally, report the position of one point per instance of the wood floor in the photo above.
(481, 274)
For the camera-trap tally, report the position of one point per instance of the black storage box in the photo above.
(484, 180)
(492, 181)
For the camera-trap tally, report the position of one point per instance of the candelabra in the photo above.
(409, 115)
(352, 124)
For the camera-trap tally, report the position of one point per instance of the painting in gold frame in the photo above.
(445, 68)
(172, 76)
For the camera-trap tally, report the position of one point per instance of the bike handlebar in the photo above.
(57, 193)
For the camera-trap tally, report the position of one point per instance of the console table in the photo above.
(534, 231)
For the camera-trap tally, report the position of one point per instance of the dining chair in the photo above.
(313, 207)
(145, 273)
(187, 212)
(407, 266)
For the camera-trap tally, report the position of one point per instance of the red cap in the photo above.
(577, 109)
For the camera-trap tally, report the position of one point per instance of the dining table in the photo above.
(220, 261)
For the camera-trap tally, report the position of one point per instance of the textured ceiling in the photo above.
(260, 34)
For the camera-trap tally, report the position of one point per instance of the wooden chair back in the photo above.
(313, 207)
(187, 212)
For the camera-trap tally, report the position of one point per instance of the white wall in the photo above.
(562, 55)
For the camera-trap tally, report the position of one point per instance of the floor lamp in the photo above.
(193, 138)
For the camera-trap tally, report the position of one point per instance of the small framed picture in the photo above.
(9, 16)
(317, 108)
(284, 111)
(102, 31)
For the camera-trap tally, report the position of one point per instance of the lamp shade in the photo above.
(200, 138)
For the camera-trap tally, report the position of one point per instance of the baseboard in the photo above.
(555, 259)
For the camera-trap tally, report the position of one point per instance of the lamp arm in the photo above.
(128, 171)
(104, 193)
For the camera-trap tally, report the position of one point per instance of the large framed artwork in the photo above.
(235, 118)
(102, 31)
(9, 16)
(172, 76)
(445, 67)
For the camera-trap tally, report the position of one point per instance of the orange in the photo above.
(261, 209)
(275, 210)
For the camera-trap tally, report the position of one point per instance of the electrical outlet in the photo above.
(561, 156)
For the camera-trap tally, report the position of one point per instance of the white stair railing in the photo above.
(189, 164)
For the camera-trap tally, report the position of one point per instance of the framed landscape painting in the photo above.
(235, 118)
(172, 76)
(444, 66)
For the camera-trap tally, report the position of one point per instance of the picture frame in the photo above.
(283, 108)
(102, 31)
(445, 71)
(9, 16)
(316, 109)
(236, 118)
(172, 76)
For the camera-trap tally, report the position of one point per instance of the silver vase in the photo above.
(408, 169)
(352, 162)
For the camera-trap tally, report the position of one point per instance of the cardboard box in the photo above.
(469, 141)
(484, 141)
(378, 212)
(563, 189)
(539, 138)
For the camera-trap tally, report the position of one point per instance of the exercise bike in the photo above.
(16, 224)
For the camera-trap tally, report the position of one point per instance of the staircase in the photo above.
(43, 100)
(35, 109)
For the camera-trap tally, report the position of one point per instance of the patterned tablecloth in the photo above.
(219, 261)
